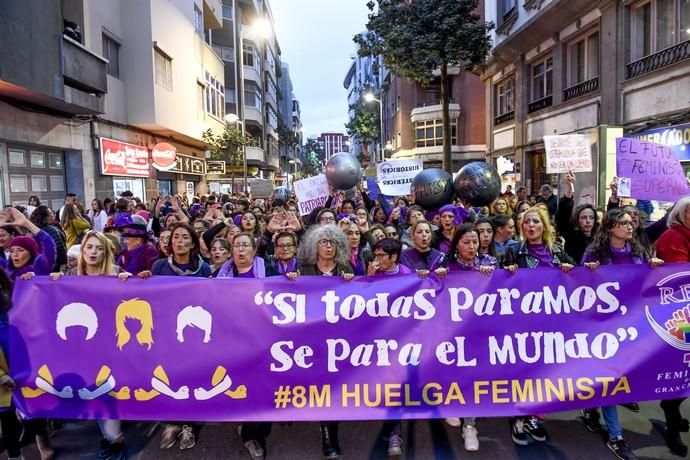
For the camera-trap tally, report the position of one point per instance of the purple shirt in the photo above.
(482, 260)
(541, 253)
(399, 270)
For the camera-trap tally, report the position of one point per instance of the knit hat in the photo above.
(74, 251)
(145, 214)
(27, 243)
(460, 213)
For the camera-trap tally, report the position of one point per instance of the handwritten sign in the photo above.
(395, 176)
(654, 171)
(311, 193)
(568, 153)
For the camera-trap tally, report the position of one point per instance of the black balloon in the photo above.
(478, 183)
(343, 171)
(281, 193)
(432, 188)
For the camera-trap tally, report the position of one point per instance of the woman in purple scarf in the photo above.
(284, 262)
(422, 257)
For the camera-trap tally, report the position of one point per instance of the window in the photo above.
(215, 97)
(17, 158)
(506, 10)
(505, 96)
(54, 161)
(656, 25)
(429, 133)
(271, 117)
(57, 184)
(38, 159)
(271, 88)
(163, 70)
(226, 53)
(198, 21)
(229, 95)
(252, 95)
(18, 183)
(227, 12)
(39, 184)
(542, 79)
(250, 57)
(583, 59)
(111, 51)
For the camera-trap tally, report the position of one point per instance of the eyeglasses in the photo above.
(242, 245)
(326, 243)
(627, 223)
(381, 255)
(285, 246)
(391, 234)
(325, 220)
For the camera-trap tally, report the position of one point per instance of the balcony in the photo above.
(504, 118)
(663, 58)
(213, 14)
(253, 114)
(255, 154)
(433, 111)
(83, 69)
(540, 104)
(581, 89)
(273, 161)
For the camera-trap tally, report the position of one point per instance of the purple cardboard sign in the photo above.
(320, 348)
(654, 170)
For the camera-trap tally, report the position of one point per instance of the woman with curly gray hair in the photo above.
(324, 251)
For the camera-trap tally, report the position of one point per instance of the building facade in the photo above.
(92, 113)
(332, 143)
(599, 68)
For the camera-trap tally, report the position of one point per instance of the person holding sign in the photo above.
(577, 226)
(614, 243)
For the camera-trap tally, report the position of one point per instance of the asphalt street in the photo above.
(424, 439)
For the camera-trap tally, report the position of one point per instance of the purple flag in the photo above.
(373, 348)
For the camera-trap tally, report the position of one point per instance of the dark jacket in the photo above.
(551, 203)
(576, 242)
(60, 245)
(167, 267)
(311, 270)
(519, 255)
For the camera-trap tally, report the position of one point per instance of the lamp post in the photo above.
(369, 97)
(292, 162)
(230, 119)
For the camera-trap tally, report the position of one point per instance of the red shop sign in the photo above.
(163, 156)
(123, 159)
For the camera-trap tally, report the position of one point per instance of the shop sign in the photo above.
(185, 164)
(675, 137)
(215, 167)
(123, 159)
(163, 156)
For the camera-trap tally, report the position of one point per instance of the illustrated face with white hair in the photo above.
(195, 317)
(76, 314)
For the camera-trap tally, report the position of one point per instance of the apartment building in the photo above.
(249, 48)
(120, 105)
(332, 143)
(599, 68)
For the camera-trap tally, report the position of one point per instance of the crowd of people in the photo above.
(236, 236)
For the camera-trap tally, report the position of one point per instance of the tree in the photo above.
(418, 37)
(365, 124)
(227, 146)
(288, 140)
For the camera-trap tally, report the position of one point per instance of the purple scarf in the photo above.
(290, 267)
(227, 270)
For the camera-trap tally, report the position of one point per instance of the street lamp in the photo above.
(292, 162)
(369, 97)
(231, 118)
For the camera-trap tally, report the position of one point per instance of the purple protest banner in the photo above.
(373, 348)
(654, 171)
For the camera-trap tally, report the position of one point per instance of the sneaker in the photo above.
(187, 438)
(591, 419)
(395, 443)
(632, 407)
(255, 449)
(534, 429)
(169, 436)
(620, 449)
(517, 425)
(469, 434)
(453, 421)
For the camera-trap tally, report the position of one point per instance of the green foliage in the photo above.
(365, 124)
(416, 37)
(227, 145)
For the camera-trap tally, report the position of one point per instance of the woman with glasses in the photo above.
(614, 244)
(392, 232)
(376, 233)
(284, 261)
(537, 249)
(163, 242)
(422, 257)
(386, 260)
(324, 251)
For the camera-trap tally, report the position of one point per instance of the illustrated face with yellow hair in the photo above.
(134, 309)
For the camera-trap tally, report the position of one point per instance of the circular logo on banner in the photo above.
(163, 156)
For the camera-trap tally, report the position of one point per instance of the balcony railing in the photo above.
(586, 87)
(663, 58)
(83, 69)
(540, 104)
(433, 102)
(505, 117)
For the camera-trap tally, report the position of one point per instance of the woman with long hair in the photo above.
(43, 218)
(465, 253)
(536, 249)
(73, 224)
(579, 225)
(99, 217)
(500, 206)
(220, 253)
(360, 255)
(614, 244)
(324, 251)
(413, 215)
(486, 236)
(422, 257)
(96, 258)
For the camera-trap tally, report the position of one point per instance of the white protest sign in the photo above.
(568, 153)
(311, 193)
(395, 176)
